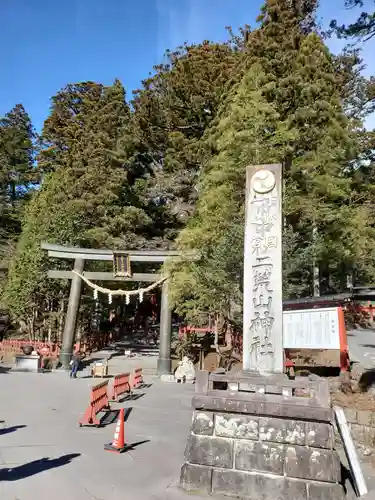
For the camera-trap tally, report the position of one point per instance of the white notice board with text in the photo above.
(311, 329)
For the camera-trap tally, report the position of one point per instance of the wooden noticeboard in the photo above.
(312, 329)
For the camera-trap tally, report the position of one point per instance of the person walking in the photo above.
(76, 361)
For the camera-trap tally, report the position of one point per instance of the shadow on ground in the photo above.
(127, 413)
(346, 478)
(35, 467)
(131, 397)
(367, 380)
(111, 416)
(88, 360)
(8, 430)
(131, 446)
(321, 371)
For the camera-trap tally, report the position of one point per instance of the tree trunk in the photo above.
(216, 330)
(49, 335)
(30, 326)
(61, 320)
(315, 264)
(316, 280)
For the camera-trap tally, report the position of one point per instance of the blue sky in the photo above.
(51, 43)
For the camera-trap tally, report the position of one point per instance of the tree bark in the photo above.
(61, 320)
(315, 264)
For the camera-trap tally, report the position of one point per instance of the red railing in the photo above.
(186, 330)
(121, 384)
(137, 378)
(14, 346)
(86, 345)
(98, 402)
(237, 339)
(368, 310)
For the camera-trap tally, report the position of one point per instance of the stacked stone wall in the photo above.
(261, 458)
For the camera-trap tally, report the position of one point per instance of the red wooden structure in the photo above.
(98, 402)
(137, 378)
(121, 384)
(236, 341)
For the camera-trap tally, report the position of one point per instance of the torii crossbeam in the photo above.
(80, 255)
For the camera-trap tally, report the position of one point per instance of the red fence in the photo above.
(121, 384)
(237, 339)
(366, 309)
(186, 330)
(14, 346)
(98, 402)
(88, 344)
(137, 378)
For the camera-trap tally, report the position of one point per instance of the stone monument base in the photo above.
(23, 363)
(264, 438)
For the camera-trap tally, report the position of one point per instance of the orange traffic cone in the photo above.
(118, 444)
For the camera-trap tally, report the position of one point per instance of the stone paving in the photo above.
(45, 455)
(362, 347)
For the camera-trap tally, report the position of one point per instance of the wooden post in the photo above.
(71, 315)
(164, 361)
(351, 452)
(262, 316)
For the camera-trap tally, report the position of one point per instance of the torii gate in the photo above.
(80, 255)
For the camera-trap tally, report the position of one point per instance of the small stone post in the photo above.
(262, 316)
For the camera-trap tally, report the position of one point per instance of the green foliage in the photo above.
(85, 200)
(248, 131)
(169, 169)
(47, 214)
(364, 26)
(191, 345)
(171, 113)
(311, 90)
(18, 176)
(320, 191)
(17, 172)
(287, 108)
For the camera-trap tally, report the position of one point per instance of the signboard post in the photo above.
(350, 451)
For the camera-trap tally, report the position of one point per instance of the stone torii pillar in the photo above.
(71, 315)
(164, 360)
(80, 255)
(262, 308)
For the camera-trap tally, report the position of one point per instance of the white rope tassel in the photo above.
(141, 296)
(127, 298)
(95, 294)
(109, 298)
(120, 292)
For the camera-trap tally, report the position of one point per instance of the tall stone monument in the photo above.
(262, 309)
(264, 436)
